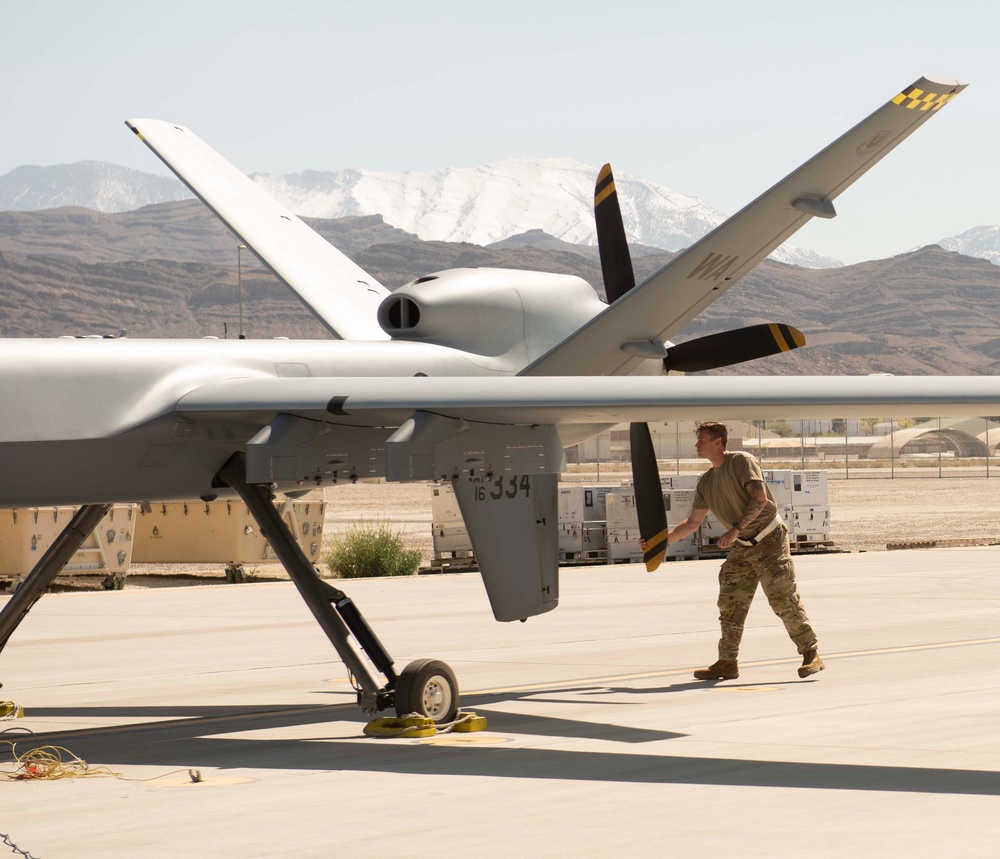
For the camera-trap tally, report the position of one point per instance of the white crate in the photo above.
(583, 503)
(678, 503)
(595, 536)
(688, 548)
(779, 482)
(623, 545)
(570, 538)
(622, 514)
(586, 540)
(674, 481)
(623, 524)
(809, 489)
(680, 481)
(710, 531)
(810, 519)
(444, 505)
(620, 507)
(799, 537)
(451, 538)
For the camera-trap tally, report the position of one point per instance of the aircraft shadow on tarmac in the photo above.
(196, 737)
(193, 722)
(694, 685)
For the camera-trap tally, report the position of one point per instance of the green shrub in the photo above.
(370, 550)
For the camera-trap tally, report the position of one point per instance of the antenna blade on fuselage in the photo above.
(343, 296)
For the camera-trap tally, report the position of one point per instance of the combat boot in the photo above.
(724, 669)
(811, 663)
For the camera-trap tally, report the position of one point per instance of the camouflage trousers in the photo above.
(770, 564)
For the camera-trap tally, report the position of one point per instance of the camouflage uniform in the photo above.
(723, 490)
(770, 563)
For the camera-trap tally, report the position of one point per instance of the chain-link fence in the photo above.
(845, 448)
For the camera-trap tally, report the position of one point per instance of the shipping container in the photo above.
(195, 532)
(26, 533)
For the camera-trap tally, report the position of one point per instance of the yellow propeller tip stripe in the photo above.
(604, 194)
(798, 339)
(656, 549)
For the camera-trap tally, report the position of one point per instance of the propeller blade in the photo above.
(704, 353)
(619, 278)
(648, 495)
(733, 347)
(616, 262)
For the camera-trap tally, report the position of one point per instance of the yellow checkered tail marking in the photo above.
(916, 99)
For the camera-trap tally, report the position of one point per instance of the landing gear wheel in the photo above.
(427, 687)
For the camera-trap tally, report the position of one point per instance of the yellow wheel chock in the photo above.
(467, 723)
(409, 726)
(10, 710)
(415, 727)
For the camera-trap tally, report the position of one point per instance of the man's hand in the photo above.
(727, 539)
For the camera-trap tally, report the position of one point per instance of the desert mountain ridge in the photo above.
(170, 270)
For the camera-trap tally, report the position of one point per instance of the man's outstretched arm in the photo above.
(688, 526)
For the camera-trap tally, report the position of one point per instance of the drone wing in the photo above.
(616, 340)
(339, 293)
(563, 401)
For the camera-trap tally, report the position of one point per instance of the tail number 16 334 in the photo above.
(504, 487)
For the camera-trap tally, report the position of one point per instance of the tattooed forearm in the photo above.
(758, 501)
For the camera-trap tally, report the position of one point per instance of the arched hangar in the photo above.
(927, 439)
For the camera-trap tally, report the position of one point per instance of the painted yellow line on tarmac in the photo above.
(531, 687)
(676, 672)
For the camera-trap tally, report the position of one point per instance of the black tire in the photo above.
(427, 687)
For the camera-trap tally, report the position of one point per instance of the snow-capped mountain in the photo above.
(481, 205)
(487, 204)
(91, 184)
(981, 242)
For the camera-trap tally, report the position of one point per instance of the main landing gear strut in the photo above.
(427, 686)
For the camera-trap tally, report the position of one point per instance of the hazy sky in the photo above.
(719, 101)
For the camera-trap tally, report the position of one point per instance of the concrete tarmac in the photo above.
(600, 743)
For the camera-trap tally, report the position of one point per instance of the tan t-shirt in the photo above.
(723, 491)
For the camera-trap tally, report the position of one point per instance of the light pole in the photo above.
(239, 279)
(892, 448)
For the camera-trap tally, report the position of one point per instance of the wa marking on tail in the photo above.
(713, 267)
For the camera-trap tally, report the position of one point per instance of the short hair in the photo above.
(714, 430)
